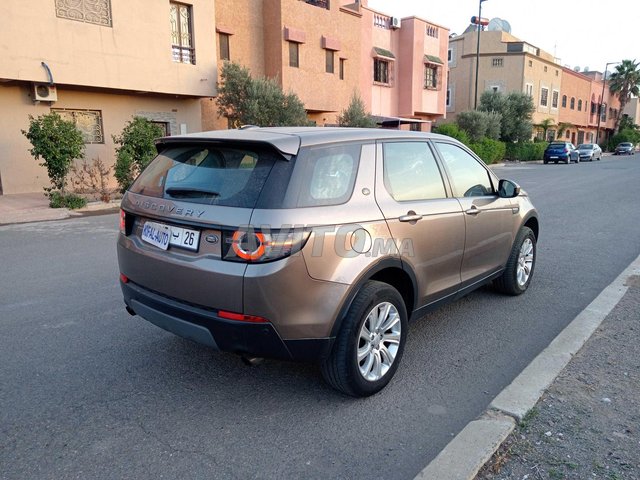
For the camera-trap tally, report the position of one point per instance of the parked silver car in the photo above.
(317, 244)
(589, 152)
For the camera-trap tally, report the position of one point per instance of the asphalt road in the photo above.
(86, 391)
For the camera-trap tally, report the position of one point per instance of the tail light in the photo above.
(253, 246)
(123, 222)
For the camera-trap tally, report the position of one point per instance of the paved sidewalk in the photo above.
(587, 424)
(34, 207)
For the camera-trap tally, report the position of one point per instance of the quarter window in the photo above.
(89, 122)
(411, 172)
(468, 176)
(181, 33)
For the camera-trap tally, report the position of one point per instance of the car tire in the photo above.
(343, 370)
(520, 266)
(545, 161)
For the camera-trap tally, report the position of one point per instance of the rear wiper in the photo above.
(190, 191)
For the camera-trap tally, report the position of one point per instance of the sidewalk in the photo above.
(34, 207)
(587, 424)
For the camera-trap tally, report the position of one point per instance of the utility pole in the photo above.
(601, 103)
(479, 23)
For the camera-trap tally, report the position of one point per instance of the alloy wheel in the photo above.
(525, 262)
(379, 341)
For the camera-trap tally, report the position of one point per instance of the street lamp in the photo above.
(479, 23)
(604, 82)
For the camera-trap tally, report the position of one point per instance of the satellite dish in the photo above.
(499, 25)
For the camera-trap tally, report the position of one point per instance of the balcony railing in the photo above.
(381, 21)
(318, 3)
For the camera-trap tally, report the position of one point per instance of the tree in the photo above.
(545, 125)
(479, 125)
(516, 109)
(452, 130)
(247, 101)
(355, 115)
(562, 127)
(57, 143)
(624, 82)
(136, 148)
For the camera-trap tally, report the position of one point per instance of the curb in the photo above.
(465, 455)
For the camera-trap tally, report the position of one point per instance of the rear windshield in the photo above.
(585, 146)
(208, 173)
(625, 144)
(557, 144)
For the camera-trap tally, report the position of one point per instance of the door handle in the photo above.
(411, 216)
(473, 210)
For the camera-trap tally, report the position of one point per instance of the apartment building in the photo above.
(98, 63)
(506, 64)
(311, 47)
(403, 77)
(325, 50)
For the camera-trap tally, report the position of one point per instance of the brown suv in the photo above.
(317, 244)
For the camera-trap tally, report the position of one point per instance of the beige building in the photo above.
(507, 64)
(99, 63)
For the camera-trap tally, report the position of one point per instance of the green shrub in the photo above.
(489, 150)
(135, 150)
(69, 200)
(526, 151)
(57, 143)
(479, 124)
(355, 115)
(452, 130)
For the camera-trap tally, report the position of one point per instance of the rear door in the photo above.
(489, 219)
(198, 195)
(426, 223)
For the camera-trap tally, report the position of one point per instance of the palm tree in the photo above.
(545, 125)
(624, 82)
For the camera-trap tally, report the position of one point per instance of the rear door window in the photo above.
(207, 173)
(411, 172)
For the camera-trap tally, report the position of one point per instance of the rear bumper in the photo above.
(206, 327)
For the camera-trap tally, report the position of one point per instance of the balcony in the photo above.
(318, 3)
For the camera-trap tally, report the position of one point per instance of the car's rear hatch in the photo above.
(184, 207)
(556, 149)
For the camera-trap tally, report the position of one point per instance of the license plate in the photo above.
(156, 234)
(185, 238)
(553, 156)
(162, 236)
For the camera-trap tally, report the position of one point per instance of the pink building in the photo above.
(403, 74)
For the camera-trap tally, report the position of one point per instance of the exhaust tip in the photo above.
(251, 361)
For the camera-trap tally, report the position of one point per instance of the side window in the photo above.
(411, 172)
(323, 176)
(469, 177)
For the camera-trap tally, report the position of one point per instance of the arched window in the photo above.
(572, 105)
(564, 101)
(579, 105)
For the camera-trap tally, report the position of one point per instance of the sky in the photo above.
(582, 33)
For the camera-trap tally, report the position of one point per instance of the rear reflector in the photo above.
(241, 318)
(124, 278)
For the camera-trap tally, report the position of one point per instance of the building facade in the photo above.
(98, 63)
(325, 51)
(569, 99)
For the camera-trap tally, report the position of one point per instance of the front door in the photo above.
(488, 218)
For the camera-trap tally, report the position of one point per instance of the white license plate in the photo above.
(185, 238)
(553, 156)
(156, 234)
(162, 236)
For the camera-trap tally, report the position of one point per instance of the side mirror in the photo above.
(508, 189)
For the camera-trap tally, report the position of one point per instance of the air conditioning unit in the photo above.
(395, 22)
(43, 92)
